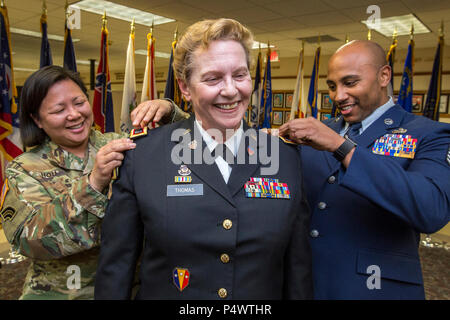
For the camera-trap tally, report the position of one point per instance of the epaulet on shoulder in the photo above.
(287, 141)
(136, 133)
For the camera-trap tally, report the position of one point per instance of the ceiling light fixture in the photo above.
(121, 12)
(256, 45)
(400, 24)
(38, 34)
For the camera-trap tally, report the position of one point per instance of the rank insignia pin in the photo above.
(181, 278)
(136, 133)
(184, 170)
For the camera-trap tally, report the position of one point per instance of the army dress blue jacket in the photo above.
(219, 242)
(368, 217)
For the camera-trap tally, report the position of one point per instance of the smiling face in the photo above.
(357, 80)
(219, 86)
(66, 116)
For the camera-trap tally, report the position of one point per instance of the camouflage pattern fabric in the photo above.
(51, 214)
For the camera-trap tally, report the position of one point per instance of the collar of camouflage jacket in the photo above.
(68, 160)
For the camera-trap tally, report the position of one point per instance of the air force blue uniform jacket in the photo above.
(216, 244)
(367, 219)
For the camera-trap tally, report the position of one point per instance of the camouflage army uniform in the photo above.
(51, 214)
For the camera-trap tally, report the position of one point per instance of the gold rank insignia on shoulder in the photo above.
(115, 174)
(285, 140)
(136, 133)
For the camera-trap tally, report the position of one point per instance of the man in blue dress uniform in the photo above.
(375, 177)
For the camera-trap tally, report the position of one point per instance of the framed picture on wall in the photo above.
(278, 100)
(443, 104)
(417, 103)
(287, 116)
(288, 100)
(326, 101)
(277, 118)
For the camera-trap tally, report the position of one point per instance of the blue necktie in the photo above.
(353, 130)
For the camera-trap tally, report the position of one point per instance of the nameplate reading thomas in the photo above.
(183, 191)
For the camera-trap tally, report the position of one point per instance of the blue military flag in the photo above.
(256, 96)
(46, 53)
(172, 91)
(406, 89)
(69, 52)
(431, 109)
(334, 110)
(313, 86)
(266, 96)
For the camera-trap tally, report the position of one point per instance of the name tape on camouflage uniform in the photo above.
(266, 188)
(395, 145)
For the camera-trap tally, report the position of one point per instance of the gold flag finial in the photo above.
(3, 3)
(175, 35)
(347, 39)
(441, 29)
(369, 34)
(153, 25)
(44, 7)
(411, 32)
(318, 40)
(394, 34)
(104, 20)
(132, 27)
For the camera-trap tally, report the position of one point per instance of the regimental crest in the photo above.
(181, 278)
(184, 170)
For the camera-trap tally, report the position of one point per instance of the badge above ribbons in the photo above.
(181, 278)
(395, 145)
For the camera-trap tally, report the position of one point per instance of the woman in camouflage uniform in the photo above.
(54, 196)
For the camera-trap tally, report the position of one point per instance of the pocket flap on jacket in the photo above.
(394, 266)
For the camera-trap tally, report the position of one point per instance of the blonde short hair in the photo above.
(200, 35)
